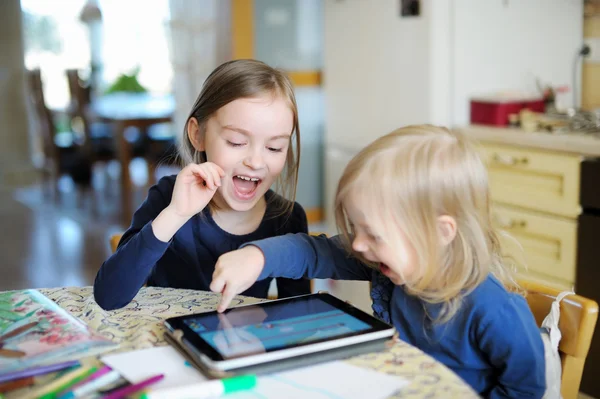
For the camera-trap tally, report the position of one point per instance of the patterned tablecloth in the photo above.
(139, 325)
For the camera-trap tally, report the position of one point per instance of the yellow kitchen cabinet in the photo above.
(545, 192)
(535, 197)
(534, 179)
(542, 247)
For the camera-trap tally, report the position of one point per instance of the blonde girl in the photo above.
(413, 210)
(242, 136)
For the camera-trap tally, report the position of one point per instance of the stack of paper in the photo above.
(324, 381)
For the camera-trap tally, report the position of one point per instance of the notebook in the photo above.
(35, 331)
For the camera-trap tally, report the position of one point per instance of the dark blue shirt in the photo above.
(188, 259)
(492, 342)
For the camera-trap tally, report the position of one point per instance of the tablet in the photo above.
(276, 330)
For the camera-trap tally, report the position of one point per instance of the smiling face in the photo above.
(372, 242)
(249, 139)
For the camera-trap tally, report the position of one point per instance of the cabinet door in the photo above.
(539, 180)
(543, 247)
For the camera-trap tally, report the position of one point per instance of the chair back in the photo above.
(78, 109)
(578, 316)
(43, 115)
(114, 241)
(80, 94)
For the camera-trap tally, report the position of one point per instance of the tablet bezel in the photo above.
(377, 327)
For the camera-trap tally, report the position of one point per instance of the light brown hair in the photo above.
(247, 79)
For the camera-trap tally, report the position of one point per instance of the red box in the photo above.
(495, 110)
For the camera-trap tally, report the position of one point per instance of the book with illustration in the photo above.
(36, 331)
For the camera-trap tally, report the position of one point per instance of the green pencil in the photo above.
(65, 382)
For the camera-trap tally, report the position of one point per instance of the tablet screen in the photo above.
(276, 325)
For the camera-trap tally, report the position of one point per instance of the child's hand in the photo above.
(195, 186)
(235, 272)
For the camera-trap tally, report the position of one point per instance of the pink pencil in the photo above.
(134, 387)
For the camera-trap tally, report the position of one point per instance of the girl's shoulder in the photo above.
(492, 293)
(492, 300)
(294, 221)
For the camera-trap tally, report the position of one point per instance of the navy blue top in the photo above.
(492, 343)
(188, 259)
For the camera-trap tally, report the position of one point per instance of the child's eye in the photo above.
(231, 143)
(274, 149)
(373, 237)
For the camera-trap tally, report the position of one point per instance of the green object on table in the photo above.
(239, 383)
(52, 394)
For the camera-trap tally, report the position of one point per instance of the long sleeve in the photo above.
(301, 255)
(296, 223)
(123, 274)
(512, 342)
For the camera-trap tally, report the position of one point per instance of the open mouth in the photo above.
(384, 269)
(245, 186)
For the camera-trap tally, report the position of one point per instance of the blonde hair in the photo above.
(246, 79)
(406, 180)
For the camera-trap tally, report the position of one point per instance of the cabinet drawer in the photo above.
(541, 180)
(549, 244)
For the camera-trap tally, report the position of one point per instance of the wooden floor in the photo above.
(48, 242)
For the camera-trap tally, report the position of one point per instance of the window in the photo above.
(134, 35)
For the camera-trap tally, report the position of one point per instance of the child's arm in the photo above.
(291, 256)
(165, 210)
(511, 340)
(122, 275)
(297, 222)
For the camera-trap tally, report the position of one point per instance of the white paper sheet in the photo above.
(333, 380)
(141, 364)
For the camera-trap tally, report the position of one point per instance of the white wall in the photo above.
(375, 75)
(382, 71)
(499, 45)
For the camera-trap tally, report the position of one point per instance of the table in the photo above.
(123, 110)
(139, 325)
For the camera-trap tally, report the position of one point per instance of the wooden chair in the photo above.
(99, 140)
(578, 317)
(63, 153)
(114, 241)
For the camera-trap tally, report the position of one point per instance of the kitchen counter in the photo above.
(577, 143)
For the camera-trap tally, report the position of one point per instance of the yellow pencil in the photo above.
(62, 381)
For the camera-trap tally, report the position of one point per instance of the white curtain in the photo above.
(200, 41)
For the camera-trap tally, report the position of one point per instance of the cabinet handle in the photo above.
(509, 160)
(511, 223)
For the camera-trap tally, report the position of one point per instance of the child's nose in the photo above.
(359, 245)
(254, 160)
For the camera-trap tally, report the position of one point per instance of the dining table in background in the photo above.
(124, 110)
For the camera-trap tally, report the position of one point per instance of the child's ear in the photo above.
(447, 229)
(195, 134)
